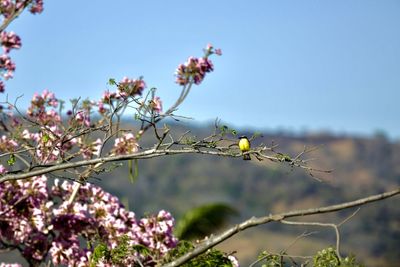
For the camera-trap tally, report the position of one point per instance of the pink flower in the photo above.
(195, 69)
(36, 7)
(3, 169)
(92, 149)
(38, 108)
(6, 7)
(109, 97)
(9, 40)
(125, 145)
(7, 66)
(218, 51)
(83, 118)
(234, 261)
(102, 110)
(130, 87)
(156, 104)
(7, 145)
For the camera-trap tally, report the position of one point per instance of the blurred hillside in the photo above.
(362, 166)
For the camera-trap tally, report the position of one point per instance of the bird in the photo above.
(244, 146)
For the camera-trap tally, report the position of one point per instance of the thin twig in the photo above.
(334, 226)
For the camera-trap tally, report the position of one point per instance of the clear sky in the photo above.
(297, 65)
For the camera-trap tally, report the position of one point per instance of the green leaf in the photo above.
(45, 138)
(112, 81)
(133, 170)
(141, 249)
(210, 258)
(11, 161)
(203, 220)
(99, 252)
(283, 157)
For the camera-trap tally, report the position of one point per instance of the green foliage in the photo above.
(283, 157)
(116, 255)
(112, 81)
(100, 252)
(270, 260)
(324, 258)
(133, 170)
(203, 220)
(11, 161)
(225, 130)
(189, 140)
(328, 258)
(211, 258)
(119, 253)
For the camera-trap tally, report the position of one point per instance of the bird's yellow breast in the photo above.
(244, 144)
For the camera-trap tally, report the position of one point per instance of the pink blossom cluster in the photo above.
(9, 7)
(82, 117)
(127, 91)
(89, 150)
(38, 220)
(156, 104)
(195, 69)
(7, 144)
(50, 143)
(39, 108)
(109, 100)
(125, 144)
(9, 40)
(51, 140)
(7, 68)
(131, 87)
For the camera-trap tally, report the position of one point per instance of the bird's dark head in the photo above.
(243, 137)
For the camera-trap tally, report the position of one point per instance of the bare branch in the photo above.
(255, 221)
(334, 226)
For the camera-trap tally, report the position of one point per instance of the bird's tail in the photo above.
(246, 157)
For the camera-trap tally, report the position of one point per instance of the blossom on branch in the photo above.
(83, 118)
(195, 69)
(156, 104)
(39, 220)
(7, 67)
(38, 108)
(9, 10)
(9, 40)
(91, 149)
(126, 144)
(36, 7)
(130, 87)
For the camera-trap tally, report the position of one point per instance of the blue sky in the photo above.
(296, 65)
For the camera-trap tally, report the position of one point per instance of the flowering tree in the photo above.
(73, 222)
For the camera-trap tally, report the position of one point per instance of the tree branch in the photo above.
(150, 153)
(255, 221)
(13, 16)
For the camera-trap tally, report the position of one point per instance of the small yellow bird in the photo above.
(244, 146)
